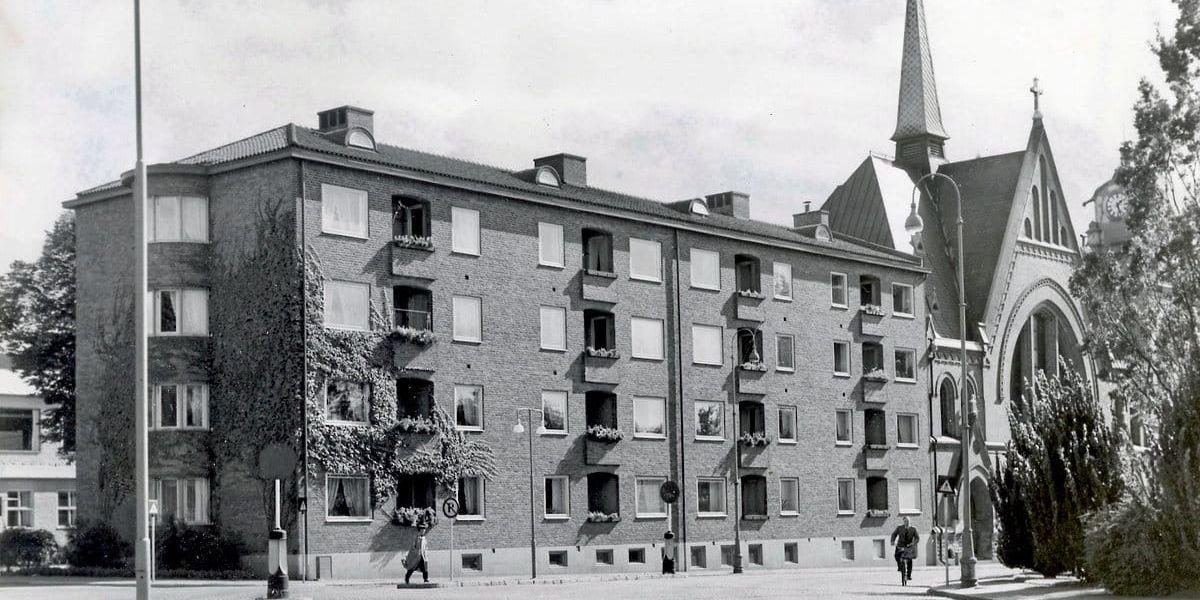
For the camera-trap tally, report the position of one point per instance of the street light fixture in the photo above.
(541, 430)
(967, 564)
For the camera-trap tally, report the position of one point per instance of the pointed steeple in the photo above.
(919, 133)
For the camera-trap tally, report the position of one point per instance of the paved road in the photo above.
(845, 584)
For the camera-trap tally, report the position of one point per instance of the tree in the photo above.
(37, 328)
(1063, 462)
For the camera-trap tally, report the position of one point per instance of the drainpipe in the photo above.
(304, 363)
(683, 487)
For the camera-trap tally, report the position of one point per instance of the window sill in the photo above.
(468, 429)
(651, 516)
(909, 446)
(711, 515)
(904, 380)
(900, 315)
(846, 444)
(471, 518)
(558, 350)
(910, 512)
(604, 274)
(648, 436)
(645, 279)
(789, 514)
(551, 266)
(754, 517)
(841, 375)
(840, 306)
(465, 253)
(782, 298)
(557, 518)
(706, 289)
(785, 370)
(347, 234)
(707, 364)
(647, 358)
(171, 334)
(468, 342)
(552, 433)
(348, 519)
(338, 423)
(788, 442)
(845, 513)
(182, 241)
(20, 451)
(708, 438)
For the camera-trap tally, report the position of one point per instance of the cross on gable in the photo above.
(1036, 90)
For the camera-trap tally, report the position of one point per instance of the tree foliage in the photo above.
(37, 328)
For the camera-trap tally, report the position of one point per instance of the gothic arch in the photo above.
(1042, 295)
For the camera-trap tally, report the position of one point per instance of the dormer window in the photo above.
(699, 208)
(360, 138)
(547, 176)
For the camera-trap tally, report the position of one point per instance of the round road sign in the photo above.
(450, 508)
(669, 491)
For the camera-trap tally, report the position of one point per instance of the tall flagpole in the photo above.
(140, 359)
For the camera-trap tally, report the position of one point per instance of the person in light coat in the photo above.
(415, 560)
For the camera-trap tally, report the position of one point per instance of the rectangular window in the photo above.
(464, 237)
(554, 328)
(347, 401)
(791, 553)
(557, 558)
(902, 300)
(844, 428)
(910, 496)
(699, 557)
(550, 244)
(649, 417)
(177, 219)
(165, 219)
(789, 496)
(647, 337)
(181, 312)
(845, 493)
(604, 557)
(468, 407)
(649, 501)
(906, 365)
(785, 352)
(880, 548)
(710, 420)
(468, 319)
(787, 424)
(182, 499)
(554, 411)
(472, 562)
(848, 550)
(906, 430)
(19, 430)
(837, 286)
(66, 509)
(783, 281)
(706, 345)
(18, 509)
(841, 359)
(347, 305)
(727, 555)
(470, 498)
(710, 497)
(645, 260)
(637, 556)
(706, 269)
(755, 554)
(346, 499)
(180, 406)
(557, 497)
(343, 211)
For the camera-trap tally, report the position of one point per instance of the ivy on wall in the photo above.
(110, 432)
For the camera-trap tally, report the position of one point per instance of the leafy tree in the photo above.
(37, 328)
(1063, 462)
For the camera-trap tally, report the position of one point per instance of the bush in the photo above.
(26, 547)
(127, 572)
(97, 545)
(1127, 549)
(204, 548)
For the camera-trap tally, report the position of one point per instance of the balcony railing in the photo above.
(421, 320)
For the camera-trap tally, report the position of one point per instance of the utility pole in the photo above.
(141, 383)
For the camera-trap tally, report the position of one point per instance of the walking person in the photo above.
(905, 538)
(668, 553)
(415, 560)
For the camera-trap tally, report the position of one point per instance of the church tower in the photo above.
(920, 137)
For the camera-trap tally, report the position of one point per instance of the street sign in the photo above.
(450, 508)
(945, 488)
(669, 491)
(276, 461)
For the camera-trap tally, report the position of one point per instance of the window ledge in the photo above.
(711, 515)
(789, 514)
(553, 433)
(844, 444)
(784, 370)
(346, 234)
(179, 241)
(605, 274)
(550, 266)
(904, 380)
(645, 279)
(338, 422)
(648, 436)
(468, 429)
(471, 518)
(909, 446)
(845, 513)
(900, 315)
(556, 517)
(910, 512)
(788, 442)
(468, 342)
(754, 517)
(704, 364)
(706, 289)
(839, 306)
(841, 375)
(646, 358)
(465, 253)
(782, 299)
(707, 438)
(651, 517)
(558, 350)
(348, 519)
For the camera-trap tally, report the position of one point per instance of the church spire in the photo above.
(919, 133)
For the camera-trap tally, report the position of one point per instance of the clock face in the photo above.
(1114, 205)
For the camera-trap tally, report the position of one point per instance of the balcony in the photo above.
(601, 369)
(874, 456)
(754, 456)
(415, 356)
(751, 381)
(601, 453)
(750, 307)
(599, 286)
(875, 391)
(408, 255)
(870, 324)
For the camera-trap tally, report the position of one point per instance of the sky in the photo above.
(667, 100)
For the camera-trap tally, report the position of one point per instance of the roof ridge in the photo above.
(222, 146)
(426, 153)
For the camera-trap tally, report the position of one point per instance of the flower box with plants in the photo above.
(599, 516)
(756, 439)
(603, 352)
(874, 310)
(412, 516)
(598, 273)
(751, 294)
(756, 366)
(420, 337)
(412, 241)
(876, 375)
(600, 433)
(418, 424)
(875, 446)
(878, 513)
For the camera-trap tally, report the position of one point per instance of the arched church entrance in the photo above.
(1045, 336)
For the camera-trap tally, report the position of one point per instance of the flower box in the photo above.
(873, 309)
(600, 433)
(876, 376)
(877, 513)
(420, 337)
(870, 446)
(753, 366)
(418, 425)
(751, 294)
(603, 352)
(411, 516)
(596, 516)
(754, 439)
(412, 241)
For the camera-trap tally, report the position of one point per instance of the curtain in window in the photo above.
(705, 269)
(16, 429)
(195, 312)
(195, 406)
(168, 499)
(467, 318)
(465, 230)
(754, 495)
(470, 496)
(468, 402)
(648, 499)
(649, 416)
(168, 406)
(910, 495)
(645, 259)
(550, 244)
(349, 497)
(168, 321)
(783, 280)
(346, 304)
(343, 210)
(166, 218)
(647, 338)
(195, 218)
(553, 328)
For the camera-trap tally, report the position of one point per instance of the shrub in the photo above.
(127, 573)
(1125, 549)
(97, 545)
(178, 546)
(26, 547)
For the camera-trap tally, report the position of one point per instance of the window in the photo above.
(868, 290)
(902, 299)
(347, 305)
(754, 496)
(785, 352)
(557, 497)
(749, 346)
(343, 211)
(468, 319)
(789, 496)
(412, 307)
(180, 406)
(787, 424)
(470, 498)
(1028, 228)
(746, 268)
(783, 281)
(710, 420)
(948, 401)
(844, 428)
(18, 509)
(875, 427)
(1137, 430)
(837, 286)
(637, 556)
(19, 430)
(649, 502)
(182, 499)
(906, 430)
(597, 251)
(910, 496)
(554, 411)
(360, 138)
(791, 553)
(66, 509)
(604, 493)
(414, 397)
(727, 555)
(181, 312)
(751, 417)
(601, 408)
(468, 407)
(554, 328)
(649, 417)
(647, 337)
(550, 244)
(699, 556)
(645, 260)
(557, 558)
(847, 549)
(880, 548)
(410, 217)
(706, 345)
(604, 557)
(472, 562)
(841, 359)
(877, 493)
(547, 176)
(756, 554)
(464, 238)
(845, 492)
(906, 365)
(710, 497)
(347, 401)
(178, 219)
(872, 357)
(706, 269)
(600, 331)
(418, 490)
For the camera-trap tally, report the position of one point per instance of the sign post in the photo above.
(450, 509)
(153, 511)
(944, 490)
(276, 462)
(669, 492)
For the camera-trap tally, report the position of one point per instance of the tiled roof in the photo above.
(267, 141)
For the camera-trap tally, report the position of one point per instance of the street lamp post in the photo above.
(519, 429)
(141, 403)
(913, 225)
(737, 473)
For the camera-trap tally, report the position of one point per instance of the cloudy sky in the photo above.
(668, 100)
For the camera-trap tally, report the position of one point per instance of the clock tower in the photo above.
(1108, 228)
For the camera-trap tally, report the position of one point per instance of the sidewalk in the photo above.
(1027, 585)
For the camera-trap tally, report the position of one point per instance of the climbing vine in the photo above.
(110, 431)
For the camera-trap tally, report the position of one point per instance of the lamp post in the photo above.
(737, 474)
(143, 542)
(913, 225)
(519, 429)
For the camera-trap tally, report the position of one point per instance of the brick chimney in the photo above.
(571, 169)
(346, 117)
(734, 204)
